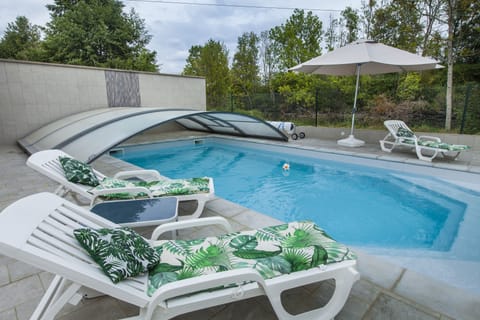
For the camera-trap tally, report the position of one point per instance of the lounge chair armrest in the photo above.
(205, 282)
(193, 223)
(135, 190)
(147, 175)
(430, 138)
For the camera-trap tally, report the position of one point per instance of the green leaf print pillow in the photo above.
(120, 252)
(78, 172)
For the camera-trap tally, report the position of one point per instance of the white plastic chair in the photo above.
(426, 147)
(46, 162)
(38, 230)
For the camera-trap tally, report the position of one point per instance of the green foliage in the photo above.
(21, 41)
(409, 88)
(398, 24)
(467, 31)
(298, 89)
(210, 61)
(367, 11)
(331, 36)
(97, 33)
(252, 113)
(466, 101)
(351, 24)
(245, 70)
(296, 41)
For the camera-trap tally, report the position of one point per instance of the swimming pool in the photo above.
(386, 211)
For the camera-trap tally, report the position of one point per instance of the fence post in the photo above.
(467, 98)
(316, 107)
(231, 102)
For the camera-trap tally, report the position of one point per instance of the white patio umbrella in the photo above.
(364, 57)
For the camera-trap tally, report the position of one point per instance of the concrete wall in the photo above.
(168, 91)
(35, 94)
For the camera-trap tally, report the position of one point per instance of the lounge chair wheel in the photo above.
(294, 136)
(301, 135)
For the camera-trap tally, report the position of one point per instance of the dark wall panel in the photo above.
(123, 89)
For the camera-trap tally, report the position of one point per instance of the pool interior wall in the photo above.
(459, 265)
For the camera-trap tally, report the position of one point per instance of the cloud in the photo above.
(34, 10)
(177, 27)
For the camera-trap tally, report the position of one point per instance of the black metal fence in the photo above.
(334, 109)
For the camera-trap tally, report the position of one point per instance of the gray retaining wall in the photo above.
(35, 94)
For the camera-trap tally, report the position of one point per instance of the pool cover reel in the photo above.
(288, 128)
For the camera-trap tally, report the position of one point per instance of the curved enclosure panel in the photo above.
(88, 135)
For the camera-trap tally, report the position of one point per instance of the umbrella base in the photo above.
(351, 141)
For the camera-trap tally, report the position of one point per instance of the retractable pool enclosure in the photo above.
(87, 135)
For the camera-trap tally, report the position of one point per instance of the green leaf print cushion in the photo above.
(402, 132)
(78, 172)
(166, 187)
(120, 252)
(272, 251)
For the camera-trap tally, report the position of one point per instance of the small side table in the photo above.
(139, 213)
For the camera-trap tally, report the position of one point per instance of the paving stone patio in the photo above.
(385, 291)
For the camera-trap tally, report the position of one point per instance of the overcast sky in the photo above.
(176, 27)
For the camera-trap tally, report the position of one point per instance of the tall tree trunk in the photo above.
(451, 4)
(431, 13)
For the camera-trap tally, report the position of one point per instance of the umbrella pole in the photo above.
(351, 141)
(355, 100)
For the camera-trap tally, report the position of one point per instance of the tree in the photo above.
(21, 40)
(467, 32)
(97, 33)
(297, 89)
(210, 61)
(431, 10)
(462, 20)
(297, 40)
(451, 6)
(331, 37)
(351, 18)
(367, 17)
(245, 68)
(266, 58)
(398, 24)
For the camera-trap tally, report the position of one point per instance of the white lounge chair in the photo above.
(38, 230)
(426, 147)
(47, 163)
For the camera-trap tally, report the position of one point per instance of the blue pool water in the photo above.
(357, 205)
